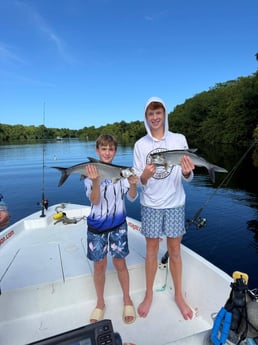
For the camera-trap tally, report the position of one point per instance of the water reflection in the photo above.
(252, 225)
(244, 167)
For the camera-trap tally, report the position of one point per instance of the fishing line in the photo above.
(44, 202)
(201, 222)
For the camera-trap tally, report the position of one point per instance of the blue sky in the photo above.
(92, 62)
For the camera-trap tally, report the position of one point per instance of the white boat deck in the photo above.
(47, 287)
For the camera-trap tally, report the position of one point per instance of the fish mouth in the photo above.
(156, 155)
(127, 172)
(133, 171)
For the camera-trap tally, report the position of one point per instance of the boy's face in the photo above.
(155, 118)
(106, 153)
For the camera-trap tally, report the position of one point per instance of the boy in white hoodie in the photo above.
(162, 200)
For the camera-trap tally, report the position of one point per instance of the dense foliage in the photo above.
(227, 113)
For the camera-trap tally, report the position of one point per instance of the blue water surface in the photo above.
(229, 240)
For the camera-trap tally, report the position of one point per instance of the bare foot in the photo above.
(144, 307)
(186, 311)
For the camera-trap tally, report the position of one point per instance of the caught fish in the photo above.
(107, 171)
(173, 157)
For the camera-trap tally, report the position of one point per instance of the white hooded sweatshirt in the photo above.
(165, 189)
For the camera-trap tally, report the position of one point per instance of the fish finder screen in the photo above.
(83, 342)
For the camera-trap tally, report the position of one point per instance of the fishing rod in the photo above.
(44, 202)
(200, 222)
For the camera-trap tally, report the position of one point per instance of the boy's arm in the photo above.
(95, 193)
(147, 173)
(143, 170)
(132, 192)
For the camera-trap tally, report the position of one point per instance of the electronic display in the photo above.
(99, 333)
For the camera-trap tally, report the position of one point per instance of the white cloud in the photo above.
(7, 54)
(41, 24)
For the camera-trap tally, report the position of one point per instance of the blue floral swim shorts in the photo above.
(159, 222)
(115, 242)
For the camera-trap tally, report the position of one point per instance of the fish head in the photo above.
(127, 172)
(157, 158)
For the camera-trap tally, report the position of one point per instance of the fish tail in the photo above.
(219, 169)
(64, 175)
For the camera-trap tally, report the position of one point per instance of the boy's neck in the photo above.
(158, 133)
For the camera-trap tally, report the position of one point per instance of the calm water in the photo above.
(230, 238)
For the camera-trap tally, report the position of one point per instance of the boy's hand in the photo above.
(92, 172)
(187, 166)
(133, 179)
(148, 172)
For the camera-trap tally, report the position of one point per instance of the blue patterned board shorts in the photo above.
(159, 222)
(115, 242)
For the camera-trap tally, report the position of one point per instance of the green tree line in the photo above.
(226, 113)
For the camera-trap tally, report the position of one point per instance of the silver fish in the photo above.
(173, 157)
(107, 171)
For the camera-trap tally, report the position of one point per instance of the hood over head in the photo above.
(159, 100)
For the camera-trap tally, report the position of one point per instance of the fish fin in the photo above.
(212, 174)
(219, 169)
(93, 160)
(64, 175)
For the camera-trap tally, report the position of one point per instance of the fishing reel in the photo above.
(43, 204)
(199, 222)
